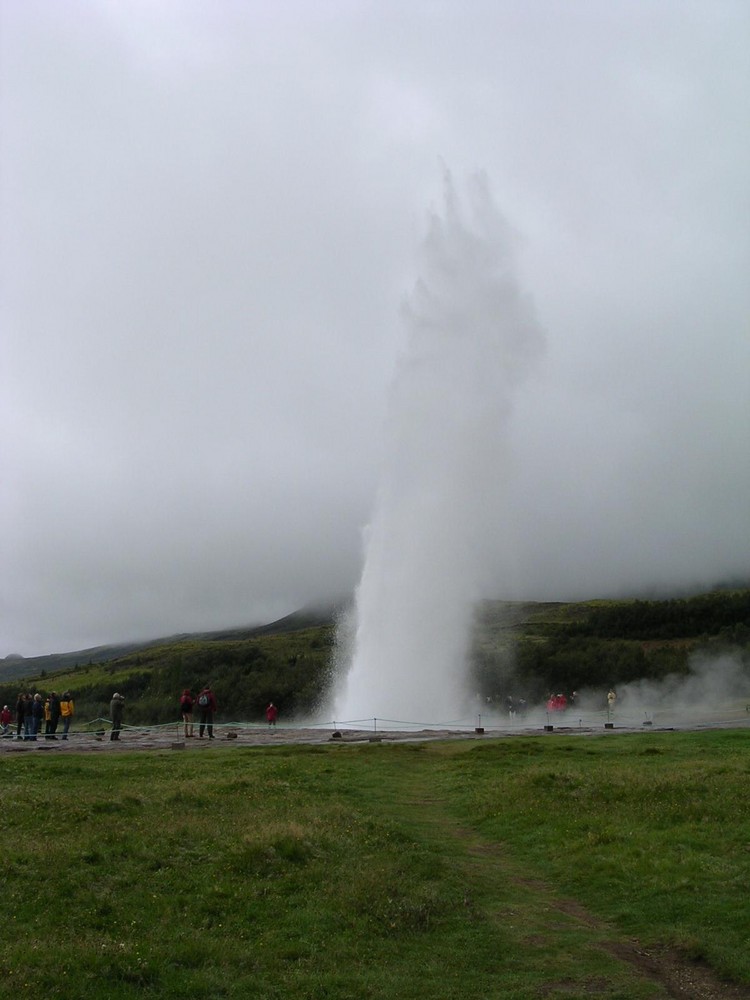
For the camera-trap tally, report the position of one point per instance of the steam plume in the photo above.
(472, 338)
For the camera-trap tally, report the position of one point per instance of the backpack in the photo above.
(203, 701)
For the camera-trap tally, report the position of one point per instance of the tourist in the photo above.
(37, 714)
(186, 711)
(206, 707)
(28, 717)
(67, 710)
(54, 711)
(51, 715)
(5, 718)
(116, 709)
(20, 715)
(271, 714)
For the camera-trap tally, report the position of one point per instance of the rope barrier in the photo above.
(495, 721)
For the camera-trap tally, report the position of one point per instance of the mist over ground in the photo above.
(712, 683)
(714, 690)
(210, 220)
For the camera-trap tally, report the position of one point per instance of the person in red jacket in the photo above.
(206, 707)
(271, 714)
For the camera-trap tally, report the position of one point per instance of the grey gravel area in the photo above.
(171, 738)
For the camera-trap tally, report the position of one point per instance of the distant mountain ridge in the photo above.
(14, 666)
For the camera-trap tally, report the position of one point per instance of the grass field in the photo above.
(542, 866)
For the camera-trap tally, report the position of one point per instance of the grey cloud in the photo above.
(210, 220)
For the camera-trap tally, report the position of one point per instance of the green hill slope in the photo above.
(536, 648)
(16, 667)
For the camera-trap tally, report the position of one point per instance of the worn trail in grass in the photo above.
(542, 935)
(543, 946)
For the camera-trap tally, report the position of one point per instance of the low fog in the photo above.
(714, 686)
(714, 691)
(211, 217)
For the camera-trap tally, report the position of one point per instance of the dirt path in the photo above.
(487, 866)
(680, 977)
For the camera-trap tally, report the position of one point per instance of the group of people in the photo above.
(561, 702)
(515, 706)
(205, 703)
(37, 716)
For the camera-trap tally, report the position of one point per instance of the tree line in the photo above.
(704, 615)
(608, 644)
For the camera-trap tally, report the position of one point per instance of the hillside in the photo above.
(525, 648)
(16, 667)
(535, 648)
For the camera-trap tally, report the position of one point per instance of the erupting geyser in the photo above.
(471, 337)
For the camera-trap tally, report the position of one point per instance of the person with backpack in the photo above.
(206, 707)
(186, 711)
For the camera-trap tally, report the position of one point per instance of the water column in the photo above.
(471, 337)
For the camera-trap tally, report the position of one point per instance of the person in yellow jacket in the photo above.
(67, 709)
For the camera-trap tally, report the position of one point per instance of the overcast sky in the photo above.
(210, 213)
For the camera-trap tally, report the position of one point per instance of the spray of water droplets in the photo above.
(471, 340)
